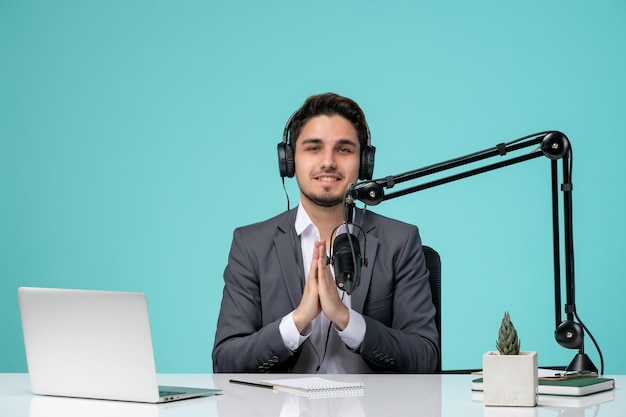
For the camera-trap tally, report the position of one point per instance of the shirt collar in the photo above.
(303, 222)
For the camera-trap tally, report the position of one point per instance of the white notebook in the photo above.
(317, 387)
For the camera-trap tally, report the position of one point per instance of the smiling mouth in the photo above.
(324, 178)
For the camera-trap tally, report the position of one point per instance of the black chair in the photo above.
(433, 263)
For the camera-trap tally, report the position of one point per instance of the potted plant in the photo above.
(509, 376)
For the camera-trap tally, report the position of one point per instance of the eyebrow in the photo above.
(339, 142)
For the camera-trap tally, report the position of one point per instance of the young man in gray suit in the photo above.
(281, 310)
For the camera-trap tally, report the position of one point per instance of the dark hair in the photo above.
(329, 104)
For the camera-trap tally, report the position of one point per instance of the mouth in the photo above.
(327, 178)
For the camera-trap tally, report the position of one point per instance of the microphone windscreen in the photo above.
(347, 267)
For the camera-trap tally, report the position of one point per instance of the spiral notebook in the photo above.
(317, 387)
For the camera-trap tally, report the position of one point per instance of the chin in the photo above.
(325, 200)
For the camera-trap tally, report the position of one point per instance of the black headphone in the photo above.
(287, 166)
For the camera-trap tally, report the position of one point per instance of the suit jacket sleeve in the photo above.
(401, 334)
(255, 299)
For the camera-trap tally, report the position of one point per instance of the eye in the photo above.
(346, 149)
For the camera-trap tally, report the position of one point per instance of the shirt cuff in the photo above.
(290, 334)
(354, 333)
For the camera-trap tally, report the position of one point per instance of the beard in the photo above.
(325, 199)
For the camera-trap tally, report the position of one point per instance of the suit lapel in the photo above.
(369, 245)
(290, 258)
(289, 253)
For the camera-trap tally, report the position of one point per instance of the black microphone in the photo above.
(346, 260)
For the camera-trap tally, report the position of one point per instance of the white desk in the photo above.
(385, 395)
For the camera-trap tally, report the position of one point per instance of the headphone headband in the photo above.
(287, 166)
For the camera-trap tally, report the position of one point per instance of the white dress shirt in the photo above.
(324, 347)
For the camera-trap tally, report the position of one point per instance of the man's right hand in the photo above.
(310, 306)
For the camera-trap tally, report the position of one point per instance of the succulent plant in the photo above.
(507, 343)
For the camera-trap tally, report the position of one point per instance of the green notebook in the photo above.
(570, 386)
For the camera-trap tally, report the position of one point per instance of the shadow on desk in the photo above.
(49, 406)
(563, 405)
(471, 371)
(378, 400)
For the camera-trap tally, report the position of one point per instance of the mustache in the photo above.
(331, 172)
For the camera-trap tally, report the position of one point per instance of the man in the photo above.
(281, 310)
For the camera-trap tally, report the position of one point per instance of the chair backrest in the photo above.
(433, 263)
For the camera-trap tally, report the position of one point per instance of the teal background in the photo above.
(136, 135)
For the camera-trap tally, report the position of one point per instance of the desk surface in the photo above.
(385, 395)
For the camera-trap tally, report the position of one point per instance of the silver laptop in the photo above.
(92, 344)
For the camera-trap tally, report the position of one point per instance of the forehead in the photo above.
(328, 127)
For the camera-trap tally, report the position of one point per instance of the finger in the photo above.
(321, 252)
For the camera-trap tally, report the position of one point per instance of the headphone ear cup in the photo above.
(286, 164)
(366, 170)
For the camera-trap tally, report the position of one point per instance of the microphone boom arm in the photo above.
(552, 144)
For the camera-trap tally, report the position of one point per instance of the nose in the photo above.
(328, 160)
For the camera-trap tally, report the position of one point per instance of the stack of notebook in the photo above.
(565, 391)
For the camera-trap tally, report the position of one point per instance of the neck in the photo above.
(326, 219)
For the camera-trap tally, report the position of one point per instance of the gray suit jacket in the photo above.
(264, 280)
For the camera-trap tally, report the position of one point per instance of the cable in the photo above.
(528, 137)
(330, 325)
(593, 339)
(346, 220)
(570, 170)
(319, 365)
(286, 193)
